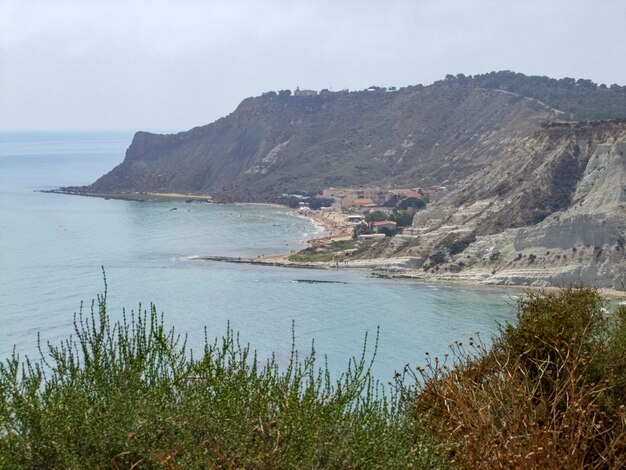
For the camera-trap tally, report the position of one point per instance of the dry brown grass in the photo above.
(537, 399)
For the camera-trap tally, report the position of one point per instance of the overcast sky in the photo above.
(169, 66)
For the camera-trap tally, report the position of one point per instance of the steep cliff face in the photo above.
(276, 144)
(550, 212)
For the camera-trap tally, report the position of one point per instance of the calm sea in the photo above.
(52, 248)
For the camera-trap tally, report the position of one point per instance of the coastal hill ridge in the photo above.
(534, 166)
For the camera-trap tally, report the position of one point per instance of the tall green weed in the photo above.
(129, 394)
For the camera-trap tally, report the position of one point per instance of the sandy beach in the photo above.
(335, 225)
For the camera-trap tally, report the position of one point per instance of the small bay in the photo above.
(53, 247)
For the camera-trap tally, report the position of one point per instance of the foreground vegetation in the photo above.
(130, 395)
(548, 393)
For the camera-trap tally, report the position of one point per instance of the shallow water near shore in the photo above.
(53, 247)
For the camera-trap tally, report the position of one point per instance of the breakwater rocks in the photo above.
(263, 262)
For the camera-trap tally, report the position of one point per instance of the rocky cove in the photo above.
(537, 198)
(581, 244)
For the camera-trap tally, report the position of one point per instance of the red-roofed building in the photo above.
(363, 202)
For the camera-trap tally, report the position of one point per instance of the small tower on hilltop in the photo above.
(299, 92)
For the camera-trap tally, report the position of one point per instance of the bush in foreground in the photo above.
(130, 395)
(548, 394)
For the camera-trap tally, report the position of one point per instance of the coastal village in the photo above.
(367, 214)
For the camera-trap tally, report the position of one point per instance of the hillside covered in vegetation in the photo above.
(548, 392)
(282, 142)
(579, 100)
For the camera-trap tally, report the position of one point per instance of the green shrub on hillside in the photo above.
(337, 250)
(549, 393)
(130, 395)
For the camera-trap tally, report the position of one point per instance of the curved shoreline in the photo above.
(333, 228)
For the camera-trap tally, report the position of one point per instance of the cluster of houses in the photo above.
(365, 200)
(357, 203)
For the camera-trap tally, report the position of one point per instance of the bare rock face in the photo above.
(582, 241)
(279, 144)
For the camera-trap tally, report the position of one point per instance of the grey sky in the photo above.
(156, 65)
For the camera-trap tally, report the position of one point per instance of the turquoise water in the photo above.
(52, 248)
